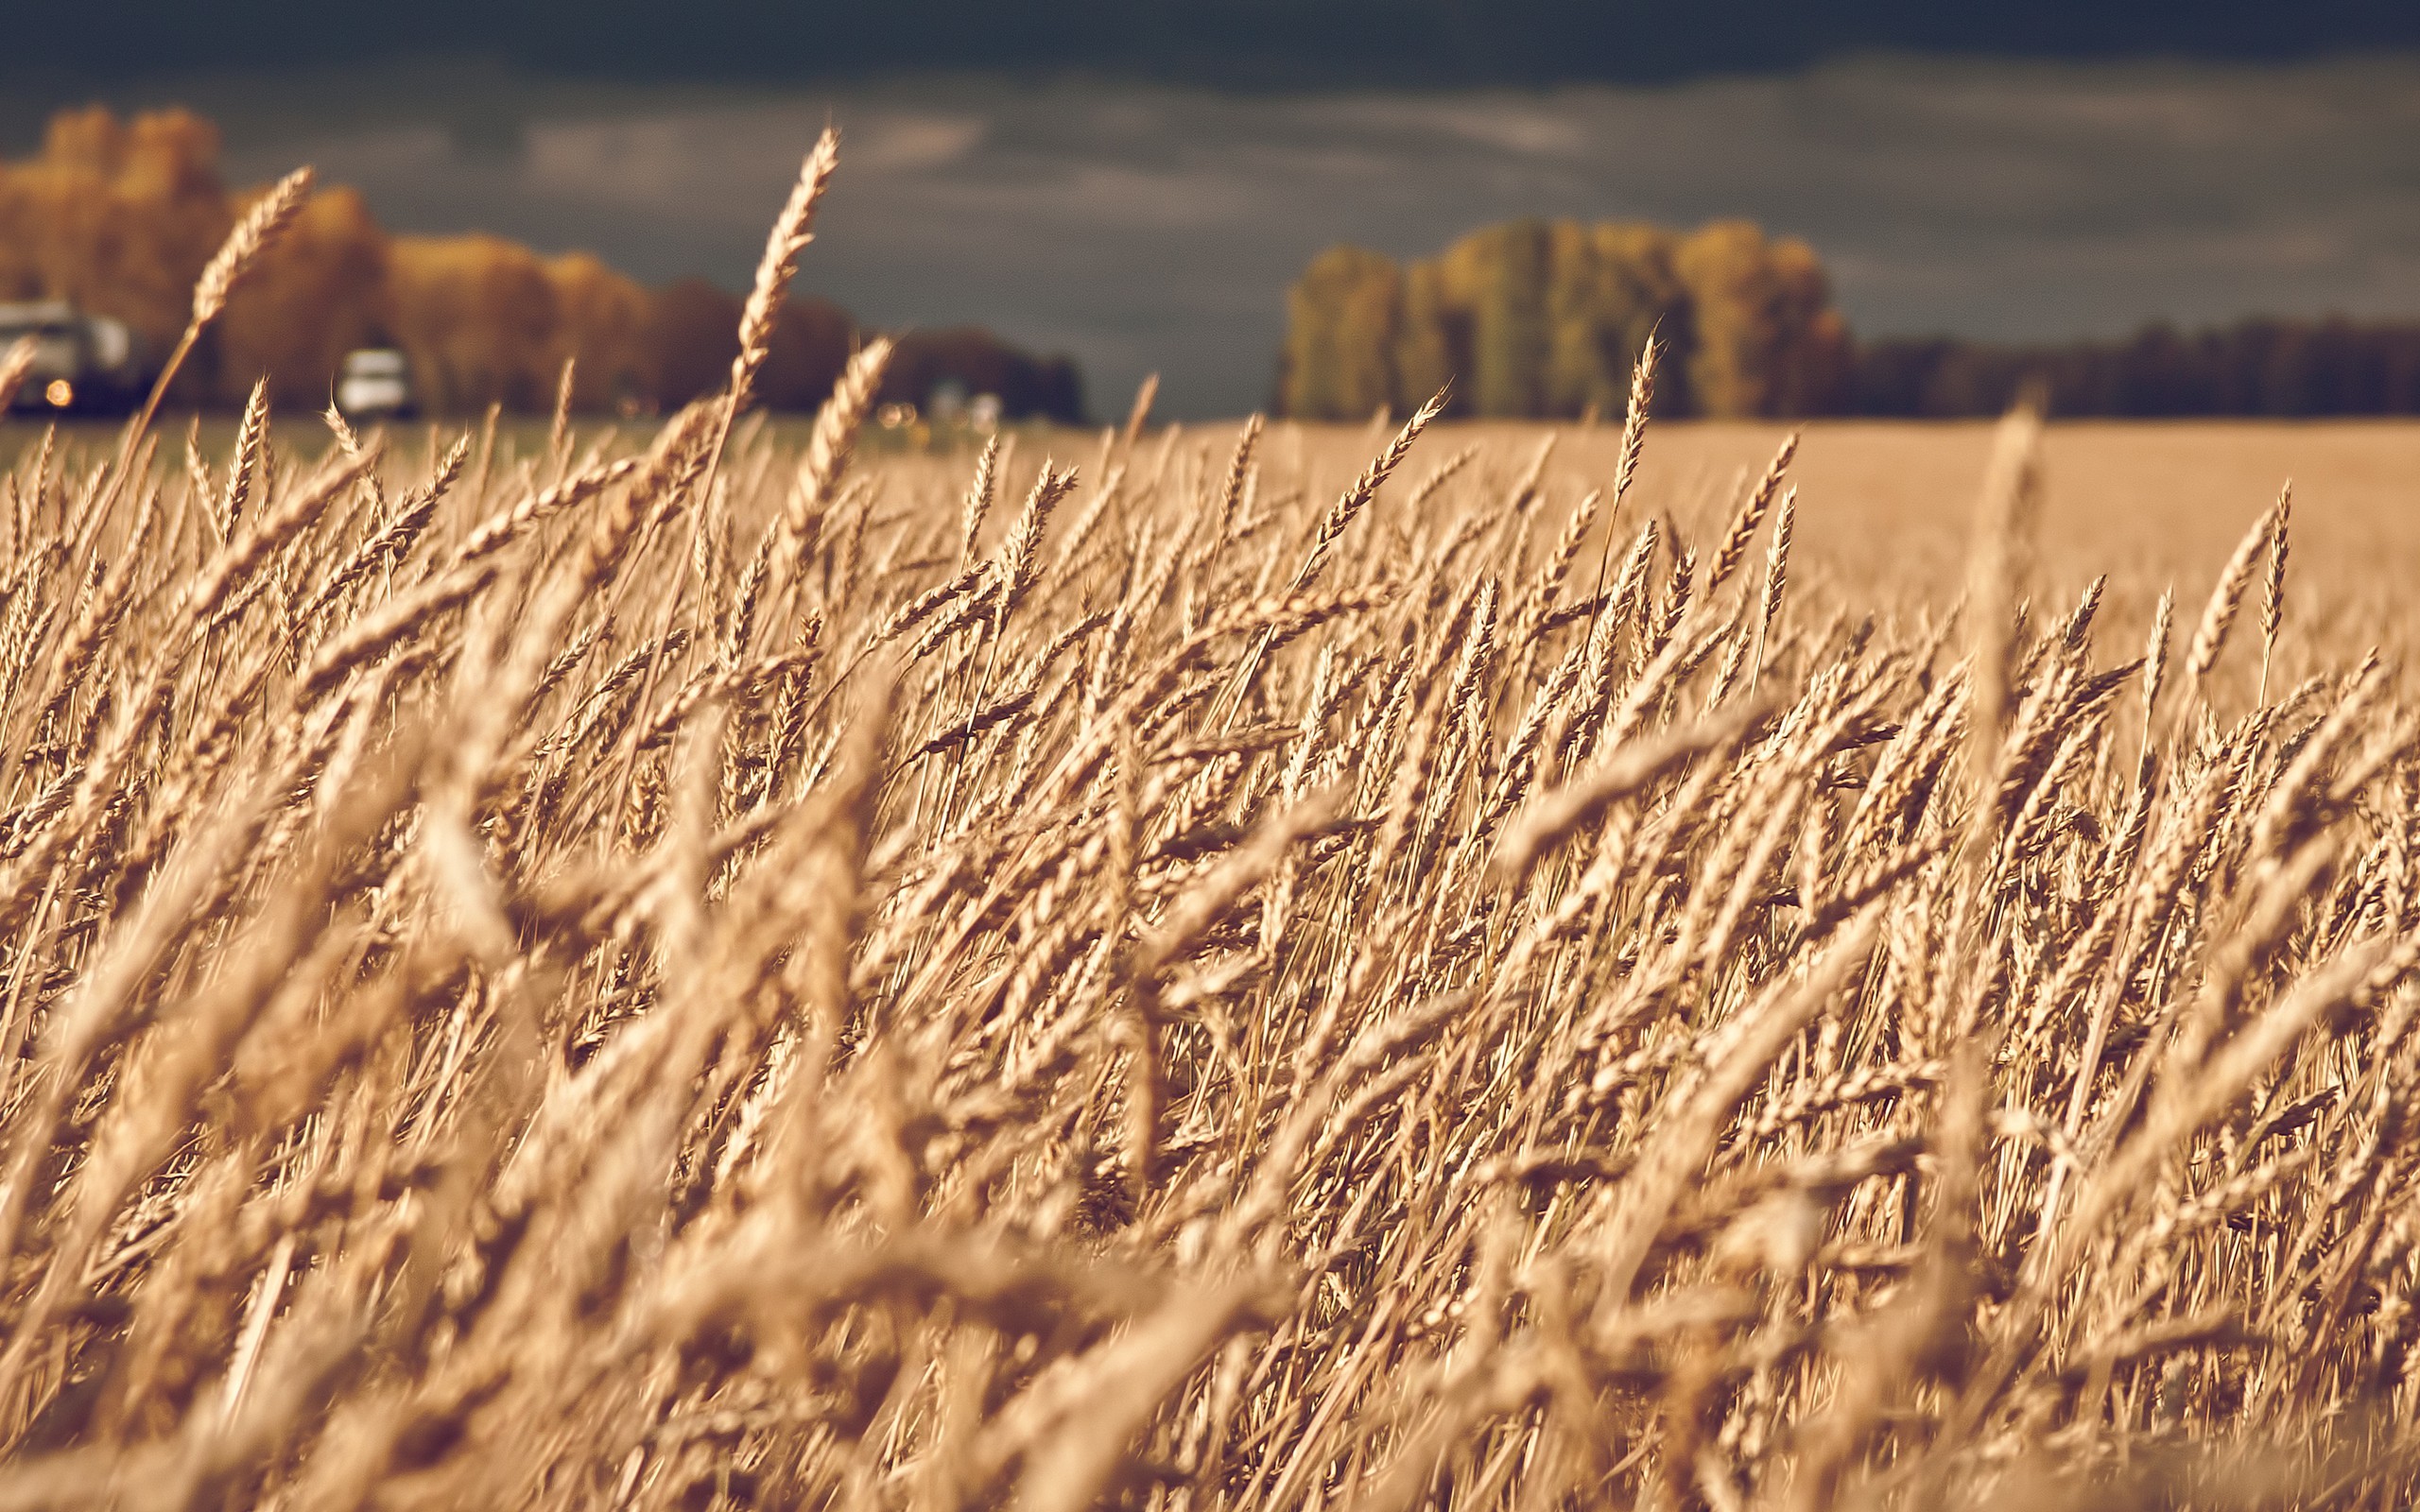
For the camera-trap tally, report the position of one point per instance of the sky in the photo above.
(1144, 211)
(1308, 43)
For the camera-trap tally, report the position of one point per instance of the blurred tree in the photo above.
(1340, 332)
(980, 363)
(2263, 367)
(117, 218)
(694, 333)
(812, 343)
(1607, 288)
(477, 316)
(1766, 341)
(1810, 369)
(2156, 374)
(1432, 340)
(1498, 275)
(320, 291)
(1535, 317)
(694, 327)
(603, 320)
(1059, 388)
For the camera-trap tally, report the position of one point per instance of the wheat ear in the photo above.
(2272, 603)
(2218, 616)
(834, 438)
(237, 257)
(792, 229)
(1642, 394)
(1776, 580)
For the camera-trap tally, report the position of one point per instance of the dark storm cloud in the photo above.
(1297, 42)
(1143, 226)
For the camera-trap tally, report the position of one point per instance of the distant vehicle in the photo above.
(82, 364)
(374, 384)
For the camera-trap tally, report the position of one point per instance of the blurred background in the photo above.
(2155, 208)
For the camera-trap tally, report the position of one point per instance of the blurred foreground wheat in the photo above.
(684, 975)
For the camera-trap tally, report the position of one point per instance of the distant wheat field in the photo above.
(1888, 504)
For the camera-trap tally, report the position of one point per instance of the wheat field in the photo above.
(675, 970)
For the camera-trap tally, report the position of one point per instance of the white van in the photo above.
(374, 384)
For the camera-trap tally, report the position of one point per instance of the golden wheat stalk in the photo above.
(793, 228)
(235, 259)
(253, 236)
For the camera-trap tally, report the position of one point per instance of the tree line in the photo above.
(119, 216)
(1546, 319)
(2253, 368)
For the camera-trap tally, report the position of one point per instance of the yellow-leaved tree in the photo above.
(1546, 318)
